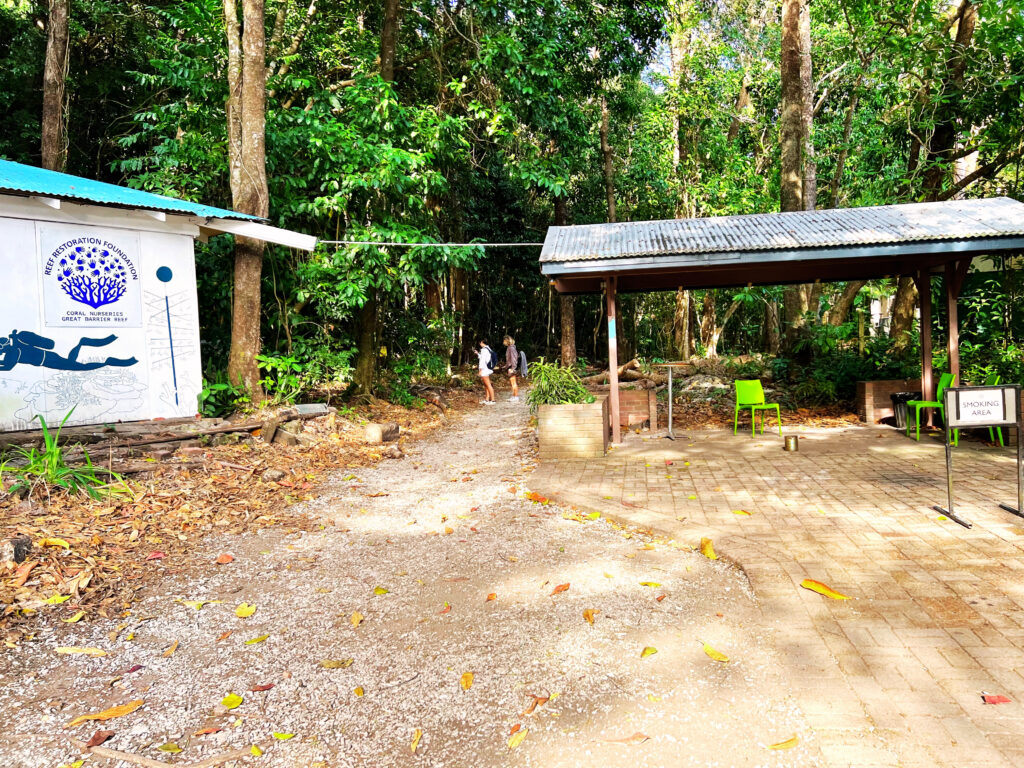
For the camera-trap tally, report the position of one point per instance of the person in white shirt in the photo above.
(486, 363)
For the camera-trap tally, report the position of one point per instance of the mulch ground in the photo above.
(91, 557)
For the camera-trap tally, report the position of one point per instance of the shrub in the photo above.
(221, 398)
(554, 385)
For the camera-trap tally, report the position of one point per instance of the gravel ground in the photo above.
(440, 531)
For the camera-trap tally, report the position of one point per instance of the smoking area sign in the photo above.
(967, 407)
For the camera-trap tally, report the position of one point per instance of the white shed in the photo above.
(100, 313)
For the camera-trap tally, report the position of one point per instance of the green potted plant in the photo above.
(571, 422)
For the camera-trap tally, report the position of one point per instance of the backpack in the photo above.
(523, 369)
(492, 361)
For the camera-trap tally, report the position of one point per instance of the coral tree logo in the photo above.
(92, 275)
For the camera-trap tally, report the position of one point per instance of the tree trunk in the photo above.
(772, 341)
(432, 298)
(841, 309)
(810, 168)
(903, 313)
(844, 149)
(55, 73)
(707, 322)
(609, 161)
(252, 195)
(366, 345)
(460, 303)
(792, 111)
(682, 332)
(716, 335)
(742, 103)
(567, 304)
(388, 40)
(944, 137)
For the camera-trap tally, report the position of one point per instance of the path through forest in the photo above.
(435, 600)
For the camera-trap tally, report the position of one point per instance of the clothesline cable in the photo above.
(432, 245)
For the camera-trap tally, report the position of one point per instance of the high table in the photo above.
(670, 366)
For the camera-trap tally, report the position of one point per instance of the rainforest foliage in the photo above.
(413, 121)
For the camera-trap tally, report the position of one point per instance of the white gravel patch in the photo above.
(407, 655)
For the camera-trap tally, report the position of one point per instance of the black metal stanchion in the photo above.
(1019, 511)
(949, 479)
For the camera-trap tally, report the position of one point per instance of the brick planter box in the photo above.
(573, 431)
(873, 397)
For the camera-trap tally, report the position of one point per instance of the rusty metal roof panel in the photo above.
(748, 234)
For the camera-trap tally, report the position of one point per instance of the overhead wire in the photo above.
(431, 245)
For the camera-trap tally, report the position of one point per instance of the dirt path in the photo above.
(416, 546)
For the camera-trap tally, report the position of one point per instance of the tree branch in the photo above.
(985, 171)
(293, 48)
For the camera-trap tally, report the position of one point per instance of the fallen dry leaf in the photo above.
(170, 651)
(648, 651)
(588, 614)
(517, 738)
(72, 619)
(560, 588)
(156, 556)
(336, 663)
(207, 731)
(787, 744)
(108, 714)
(707, 548)
(98, 738)
(822, 589)
(170, 747)
(245, 610)
(231, 701)
(466, 681)
(261, 688)
(989, 698)
(417, 735)
(256, 640)
(71, 651)
(225, 635)
(358, 690)
(224, 558)
(515, 728)
(357, 619)
(636, 738)
(649, 584)
(538, 701)
(447, 608)
(659, 598)
(491, 596)
(716, 655)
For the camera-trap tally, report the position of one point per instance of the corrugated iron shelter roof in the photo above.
(779, 248)
(19, 182)
(16, 178)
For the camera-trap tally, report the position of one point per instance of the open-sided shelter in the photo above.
(916, 239)
(100, 315)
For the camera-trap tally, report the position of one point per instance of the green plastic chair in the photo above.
(750, 394)
(945, 381)
(993, 380)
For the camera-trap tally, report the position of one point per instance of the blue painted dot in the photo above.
(164, 274)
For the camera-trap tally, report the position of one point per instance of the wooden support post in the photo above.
(956, 271)
(613, 361)
(923, 280)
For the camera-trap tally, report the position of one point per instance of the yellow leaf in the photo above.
(231, 701)
(170, 651)
(358, 690)
(741, 512)
(517, 738)
(71, 650)
(588, 614)
(108, 714)
(608, 575)
(170, 747)
(594, 516)
(787, 744)
(198, 604)
(416, 740)
(57, 599)
(492, 596)
(284, 736)
(245, 610)
(77, 617)
(255, 640)
(649, 584)
(822, 589)
(255, 751)
(356, 619)
(466, 681)
(652, 697)
(648, 651)
(379, 591)
(716, 655)
(336, 663)
(708, 549)
(53, 543)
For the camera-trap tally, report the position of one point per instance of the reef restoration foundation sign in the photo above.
(90, 277)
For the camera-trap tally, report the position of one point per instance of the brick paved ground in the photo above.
(893, 677)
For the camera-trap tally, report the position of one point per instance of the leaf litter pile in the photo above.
(89, 558)
(437, 613)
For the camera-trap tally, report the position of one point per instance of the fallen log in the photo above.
(598, 378)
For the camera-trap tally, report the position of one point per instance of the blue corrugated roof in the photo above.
(27, 179)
